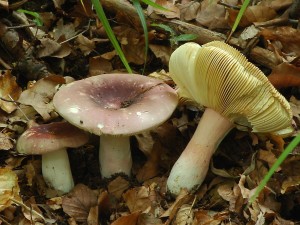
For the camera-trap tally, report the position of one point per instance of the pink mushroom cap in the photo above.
(116, 104)
(46, 138)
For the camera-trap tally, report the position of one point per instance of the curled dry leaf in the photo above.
(118, 186)
(9, 90)
(287, 36)
(285, 75)
(255, 13)
(213, 15)
(9, 188)
(185, 215)
(172, 12)
(128, 220)
(137, 199)
(78, 202)
(208, 217)
(5, 142)
(40, 95)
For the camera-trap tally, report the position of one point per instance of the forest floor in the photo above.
(44, 44)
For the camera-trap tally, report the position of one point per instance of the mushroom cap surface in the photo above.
(46, 138)
(116, 104)
(218, 76)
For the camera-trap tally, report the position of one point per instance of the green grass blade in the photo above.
(238, 18)
(275, 166)
(140, 12)
(165, 28)
(37, 19)
(101, 14)
(155, 5)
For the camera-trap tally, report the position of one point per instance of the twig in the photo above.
(4, 64)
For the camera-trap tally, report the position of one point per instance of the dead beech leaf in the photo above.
(5, 142)
(287, 36)
(189, 10)
(285, 75)
(118, 186)
(52, 48)
(99, 65)
(295, 106)
(63, 31)
(148, 219)
(290, 184)
(255, 13)
(86, 45)
(172, 12)
(78, 202)
(161, 52)
(132, 44)
(137, 199)
(208, 217)
(185, 215)
(212, 15)
(8, 88)
(9, 188)
(40, 95)
(128, 220)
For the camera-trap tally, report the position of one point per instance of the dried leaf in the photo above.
(78, 202)
(172, 12)
(255, 13)
(40, 95)
(128, 220)
(86, 45)
(99, 65)
(137, 199)
(118, 186)
(9, 188)
(9, 90)
(5, 142)
(287, 36)
(185, 215)
(212, 15)
(285, 75)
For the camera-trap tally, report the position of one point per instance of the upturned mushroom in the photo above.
(235, 93)
(51, 141)
(116, 106)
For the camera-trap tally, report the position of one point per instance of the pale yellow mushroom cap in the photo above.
(218, 76)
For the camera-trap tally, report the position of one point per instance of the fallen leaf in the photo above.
(288, 37)
(185, 215)
(40, 95)
(137, 199)
(9, 90)
(78, 202)
(99, 65)
(209, 217)
(9, 188)
(5, 142)
(254, 13)
(128, 220)
(86, 45)
(172, 12)
(285, 75)
(118, 186)
(212, 15)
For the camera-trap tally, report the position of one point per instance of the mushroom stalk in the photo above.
(190, 169)
(57, 171)
(115, 155)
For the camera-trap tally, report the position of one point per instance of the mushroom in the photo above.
(116, 106)
(235, 93)
(50, 141)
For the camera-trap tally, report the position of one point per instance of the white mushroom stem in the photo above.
(191, 168)
(57, 171)
(114, 155)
